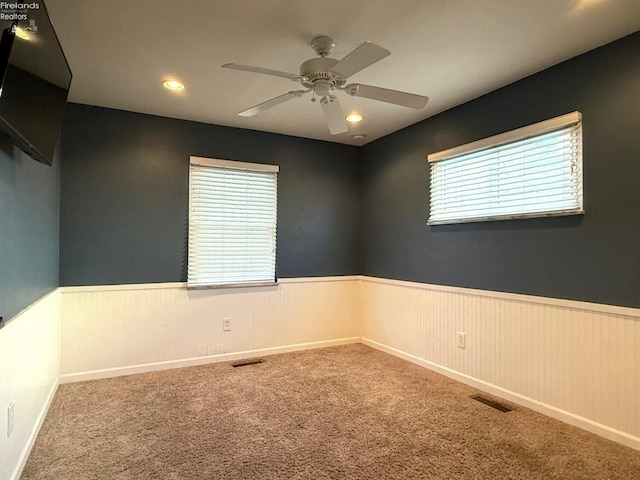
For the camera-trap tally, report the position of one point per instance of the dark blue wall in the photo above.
(124, 203)
(29, 207)
(593, 258)
(344, 210)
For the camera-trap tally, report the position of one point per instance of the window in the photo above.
(232, 223)
(533, 171)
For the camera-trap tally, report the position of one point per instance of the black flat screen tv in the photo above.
(35, 79)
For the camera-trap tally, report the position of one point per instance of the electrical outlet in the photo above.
(462, 339)
(10, 410)
(226, 324)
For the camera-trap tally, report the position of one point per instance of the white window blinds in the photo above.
(529, 172)
(232, 223)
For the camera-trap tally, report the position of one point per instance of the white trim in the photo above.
(515, 297)
(183, 285)
(540, 407)
(128, 286)
(216, 162)
(190, 362)
(26, 450)
(27, 308)
(508, 137)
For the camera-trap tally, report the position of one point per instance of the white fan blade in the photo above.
(261, 107)
(396, 97)
(333, 115)
(360, 58)
(265, 71)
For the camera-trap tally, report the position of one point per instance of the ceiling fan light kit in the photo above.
(324, 75)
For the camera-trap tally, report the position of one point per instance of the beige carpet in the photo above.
(347, 412)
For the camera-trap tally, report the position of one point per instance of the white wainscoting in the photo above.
(574, 361)
(29, 352)
(117, 330)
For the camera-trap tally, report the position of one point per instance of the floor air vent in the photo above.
(248, 361)
(491, 403)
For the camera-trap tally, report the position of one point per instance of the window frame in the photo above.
(568, 121)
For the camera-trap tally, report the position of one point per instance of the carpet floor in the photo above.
(348, 412)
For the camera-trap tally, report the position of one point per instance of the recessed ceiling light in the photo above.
(173, 85)
(354, 118)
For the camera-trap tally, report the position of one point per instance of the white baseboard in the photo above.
(540, 407)
(22, 461)
(190, 362)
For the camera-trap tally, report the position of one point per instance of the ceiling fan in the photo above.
(324, 75)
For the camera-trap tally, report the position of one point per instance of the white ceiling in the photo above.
(452, 51)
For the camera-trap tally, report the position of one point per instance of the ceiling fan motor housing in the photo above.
(318, 70)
